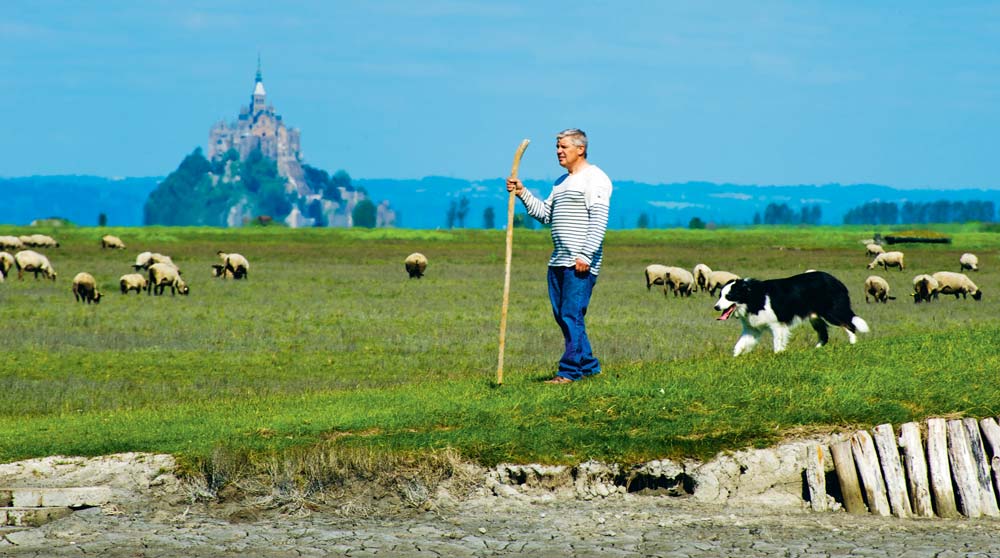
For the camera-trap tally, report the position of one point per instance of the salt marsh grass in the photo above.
(328, 344)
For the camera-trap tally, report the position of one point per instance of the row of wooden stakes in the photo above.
(956, 473)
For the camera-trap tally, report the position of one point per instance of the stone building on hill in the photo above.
(260, 127)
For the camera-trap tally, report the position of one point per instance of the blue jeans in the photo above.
(569, 293)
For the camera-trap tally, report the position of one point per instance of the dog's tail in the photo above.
(859, 324)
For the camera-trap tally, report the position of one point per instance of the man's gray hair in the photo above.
(577, 136)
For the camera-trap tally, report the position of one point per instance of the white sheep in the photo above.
(29, 260)
(233, 265)
(679, 280)
(161, 276)
(718, 279)
(146, 259)
(6, 264)
(950, 282)
(11, 243)
(655, 274)
(132, 282)
(40, 241)
(85, 288)
(878, 288)
(111, 241)
(415, 265)
(874, 249)
(701, 272)
(887, 260)
(968, 261)
(925, 288)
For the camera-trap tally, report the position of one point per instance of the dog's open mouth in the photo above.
(727, 312)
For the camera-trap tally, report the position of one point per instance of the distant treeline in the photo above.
(782, 214)
(941, 211)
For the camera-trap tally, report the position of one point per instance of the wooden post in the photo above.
(892, 469)
(916, 469)
(871, 474)
(963, 470)
(982, 466)
(509, 254)
(816, 478)
(847, 476)
(991, 434)
(940, 471)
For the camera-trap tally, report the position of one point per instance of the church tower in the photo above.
(257, 101)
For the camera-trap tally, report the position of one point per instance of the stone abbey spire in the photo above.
(258, 126)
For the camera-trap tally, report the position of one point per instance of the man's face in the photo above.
(568, 153)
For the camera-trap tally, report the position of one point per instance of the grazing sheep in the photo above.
(718, 279)
(6, 263)
(40, 241)
(878, 289)
(874, 250)
(234, 265)
(110, 241)
(11, 243)
(29, 260)
(701, 273)
(950, 282)
(219, 270)
(146, 259)
(679, 280)
(133, 282)
(85, 288)
(968, 261)
(415, 265)
(161, 276)
(925, 287)
(887, 260)
(656, 274)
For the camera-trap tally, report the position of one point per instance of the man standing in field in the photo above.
(577, 209)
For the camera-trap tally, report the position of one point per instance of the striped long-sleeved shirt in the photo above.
(577, 208)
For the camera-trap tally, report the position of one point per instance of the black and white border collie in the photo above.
(781, 304)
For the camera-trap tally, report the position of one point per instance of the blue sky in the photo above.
(905, 94)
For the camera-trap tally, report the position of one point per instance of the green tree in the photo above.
(463, 210)
(102, 220)
(696, 223)
(364, 214)
(489, 219)
(643, 221)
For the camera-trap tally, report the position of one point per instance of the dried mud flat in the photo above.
(152, 515)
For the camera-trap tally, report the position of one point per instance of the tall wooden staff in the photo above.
(506, 267)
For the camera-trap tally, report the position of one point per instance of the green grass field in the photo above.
(328, 343)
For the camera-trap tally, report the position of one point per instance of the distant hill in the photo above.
(80, 199)
(424, 203)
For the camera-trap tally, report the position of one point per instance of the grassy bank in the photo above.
(329, 343)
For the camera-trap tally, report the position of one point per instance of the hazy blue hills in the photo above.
(424, 203)
(81, 199)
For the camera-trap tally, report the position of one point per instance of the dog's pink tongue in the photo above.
(726, 313)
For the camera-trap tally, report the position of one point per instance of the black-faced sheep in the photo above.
(701, 272)
(925, 288)
(233, 265)
(950, 282)
(29, 260)
(718, 279)
(887, 260)
(874, 250)
(11, 243)
(878, 289)
(6, 264)
(113, 242)
(415, 264)
(678, 280)
(85, 288)
(968, 261)
(133, 282)
(161, 276)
